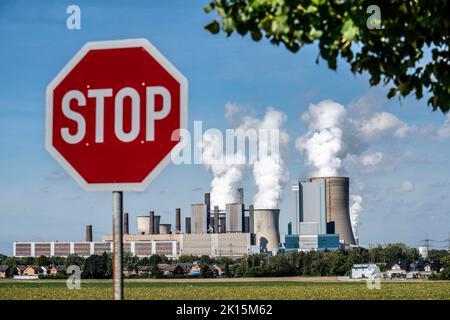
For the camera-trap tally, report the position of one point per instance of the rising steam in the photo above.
(334, 137)
(268, 167)
(269, 171)
(227, 172)
(355, 209)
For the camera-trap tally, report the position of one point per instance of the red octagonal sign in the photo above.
(113, 114)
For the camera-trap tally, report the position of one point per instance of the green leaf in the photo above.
(228, 25)
(349, 30)
(256, 35)
(213, 27)
(208, 8)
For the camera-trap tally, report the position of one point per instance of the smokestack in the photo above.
(152, 223)
(241, 201)
(156, 225)
(208, 209)
(251, 214)
(125, 223)
(188, 225)
(89, 233)
(216, 219)
(177, 220)
(251, 222)
(241, 195)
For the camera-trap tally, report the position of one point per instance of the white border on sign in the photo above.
(129, 43)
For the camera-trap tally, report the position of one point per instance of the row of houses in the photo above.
(398, 269)
(32, 270)
(165, 269)
(178, 269)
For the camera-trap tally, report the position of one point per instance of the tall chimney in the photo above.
(177, 220)
(208, 209)
(241, 195)
(89, 233)
(241, 201)
(216, 219)
(125, 223)
(188, 225)
(157, 221)
(152, 223)
(251, 227)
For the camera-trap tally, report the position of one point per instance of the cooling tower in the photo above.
(165, 228)
(337, 206)
(198, 218)
(234, 216)
(143, 224)
(266, 229)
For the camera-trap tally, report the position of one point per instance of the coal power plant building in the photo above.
(320, 217)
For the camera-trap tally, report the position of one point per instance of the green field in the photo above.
(227, 290)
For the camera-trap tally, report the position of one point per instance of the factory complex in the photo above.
(320, 221)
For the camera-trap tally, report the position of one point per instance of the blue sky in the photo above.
(404, 198)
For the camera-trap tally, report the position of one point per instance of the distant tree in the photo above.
(29, 261)
(437, 254)
(43, 261)
(187, 258)
(57, 261)
(226, 271)
(73, 259)
(97, 267)
(401, 43)
(130, 261)
(206, 259)
(2, 258)
(144, 261)
(155, 271)
(154, 259)
(445, 261)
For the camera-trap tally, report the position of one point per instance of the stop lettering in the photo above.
(111, 112)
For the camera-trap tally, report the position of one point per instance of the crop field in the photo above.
(246, 290)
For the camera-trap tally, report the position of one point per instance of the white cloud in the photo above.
(230, 110)
(383, 123)
(407, 186)
(444, 131)
(371, 160)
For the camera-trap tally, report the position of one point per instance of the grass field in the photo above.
(245, 290)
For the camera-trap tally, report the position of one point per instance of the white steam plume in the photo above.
(334, 138)
(355, 210)
(323, 143)
(269, 171)
(227, 173)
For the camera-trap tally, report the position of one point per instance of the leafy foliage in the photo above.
(409, 50)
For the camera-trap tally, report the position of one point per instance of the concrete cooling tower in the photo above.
(266, 229)
(337, 206)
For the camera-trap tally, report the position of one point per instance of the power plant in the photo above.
(320, 214)
(320, 220)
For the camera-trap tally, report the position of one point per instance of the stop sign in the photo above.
(113, 114)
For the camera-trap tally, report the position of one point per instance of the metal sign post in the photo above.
(117, 245)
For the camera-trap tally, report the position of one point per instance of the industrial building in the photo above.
(233, 232)
(320, 221)
(320, 217)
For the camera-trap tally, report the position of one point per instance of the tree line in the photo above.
(312, 263)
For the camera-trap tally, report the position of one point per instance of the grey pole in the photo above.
(117, 245)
